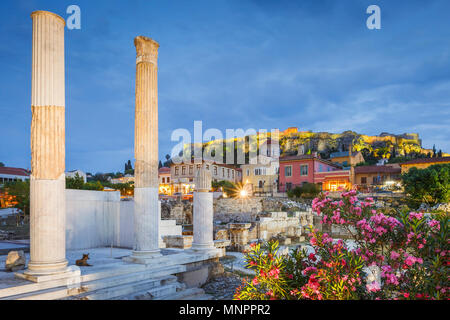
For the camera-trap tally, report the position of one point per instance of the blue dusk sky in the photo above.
(233, 64)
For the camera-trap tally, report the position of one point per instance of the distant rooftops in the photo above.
(377, 169)
(426, 160)
(308, 157)
(15, 171)
(164, 170)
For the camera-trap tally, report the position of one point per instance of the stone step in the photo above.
(149, 277)
(91, 282)
(167, 223)
(155, 293)
(116, 292)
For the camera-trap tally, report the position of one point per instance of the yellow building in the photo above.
(346, 159)
(423, 163)
(262, 176)
(164, 181)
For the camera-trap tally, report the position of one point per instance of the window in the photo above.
(191, 168)
(183, 170)
(176, 170)
(215, 170)
(363, 180)
(163, 180)
(232, 174)
(320, 167)
(248, 172)
(168, 179)
(198, 166)
(288, 171)
(228, 173)
(223, 172)
(304, 170)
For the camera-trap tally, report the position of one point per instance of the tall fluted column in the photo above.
(47, 181)
(203, 211)
(146, 217)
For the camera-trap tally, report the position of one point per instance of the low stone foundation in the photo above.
(180, 242)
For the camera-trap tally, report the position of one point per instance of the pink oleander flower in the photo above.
(373, 287)
(394, 255)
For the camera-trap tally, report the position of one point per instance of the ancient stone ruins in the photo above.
(145, 272)
(129, 251)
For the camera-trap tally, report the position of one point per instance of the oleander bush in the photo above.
(395, 255)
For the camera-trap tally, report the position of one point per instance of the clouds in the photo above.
(235, 64)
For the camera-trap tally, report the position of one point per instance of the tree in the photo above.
(160, 164)
(440, 153)
(21, 191)
(430, 185)
(76, 182)
(434, 151)
(2, 164)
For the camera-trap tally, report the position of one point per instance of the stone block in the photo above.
(182, 242)
(15, 261)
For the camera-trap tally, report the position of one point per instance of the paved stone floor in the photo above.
(8, 245)
(223, 287)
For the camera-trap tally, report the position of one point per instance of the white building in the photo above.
(9, 174)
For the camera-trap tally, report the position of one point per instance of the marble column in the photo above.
(203, 211)
(47, 180)
(146, 216)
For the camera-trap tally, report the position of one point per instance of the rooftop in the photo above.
(427, 160)
(377, 169)
(308, 157)
(14, 171)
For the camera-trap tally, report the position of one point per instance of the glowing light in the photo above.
(243, 193)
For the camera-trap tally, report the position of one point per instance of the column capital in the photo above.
(47, 13)
(146, 50)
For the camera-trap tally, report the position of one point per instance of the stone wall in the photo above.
(284, 226)
(228, 210)
(181, 211)
(92, 218)
(100, 219)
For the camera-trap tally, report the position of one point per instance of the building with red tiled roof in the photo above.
(423, 163)
(8, 174)
(297, 170)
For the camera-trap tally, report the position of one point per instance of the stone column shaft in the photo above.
(203, 220)
(203, 211)
(146, 215)
(47, 180)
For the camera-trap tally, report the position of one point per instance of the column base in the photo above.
(42, 276)
(143, 257)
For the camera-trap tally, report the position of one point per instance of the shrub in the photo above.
(308, 190)
(430, 185)
(410, 251)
